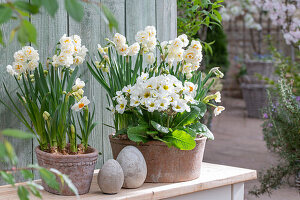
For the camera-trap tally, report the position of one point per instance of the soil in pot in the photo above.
(164, 164)
(79, 168)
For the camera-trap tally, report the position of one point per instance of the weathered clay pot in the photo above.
(164, 164)
(79, 168)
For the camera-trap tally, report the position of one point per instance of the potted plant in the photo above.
(158, 107)
(53, 99)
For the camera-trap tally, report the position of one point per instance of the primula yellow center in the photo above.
(136, 102)
(81, 105)
(122, 106)
(152, 105)
(149, 86)
(166, 87)
(191, 88)
(147, 94)
(177, 107)
(162, 104)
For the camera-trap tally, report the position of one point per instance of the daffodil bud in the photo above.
(105, 49)
(80, 92)
(217, 72)
(106, 58)
(31, 76)
(45, 72)
(72, 128)
(32, 80)
(46, 115)
(64, 92)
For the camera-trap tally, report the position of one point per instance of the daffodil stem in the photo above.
(212, 105)
(168, 121)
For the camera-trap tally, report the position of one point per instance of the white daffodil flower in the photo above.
(218, 97)
(134, 49)
(79, 84)
(83, 102)
(150, 58)
(119, 39)
(218, 110)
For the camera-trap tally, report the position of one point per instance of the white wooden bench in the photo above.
(217, 182)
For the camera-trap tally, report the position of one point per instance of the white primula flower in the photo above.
(100, 49)
(150, 58)
(179, 106)
(134, 101)
(184, 39)
(120, 108)
(218, 110)
(19, 56)
(10, 70)
(83, 102)
(123, 49)
(163, 104)
(218, 97)
(151, 31)
(134, 49)
(127, 89)
(196, 46)
(151, 104)
(119, 39)
(79, 84)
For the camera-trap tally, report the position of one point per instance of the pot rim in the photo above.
(92, 154)
(152, 142)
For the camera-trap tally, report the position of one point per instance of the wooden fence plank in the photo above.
(139, 14)
(166, 19)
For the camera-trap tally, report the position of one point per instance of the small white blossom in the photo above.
(218, 110)
(79, 84)
(83, 102)
(150, 58)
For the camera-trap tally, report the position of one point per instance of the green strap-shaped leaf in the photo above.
(159, 127)
(181, 140)
(17, 134)
(138, 133)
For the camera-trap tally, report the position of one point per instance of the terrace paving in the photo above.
(239, 142)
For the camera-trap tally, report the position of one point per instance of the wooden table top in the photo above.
(212, 176)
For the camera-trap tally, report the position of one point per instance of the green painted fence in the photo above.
(132, 16)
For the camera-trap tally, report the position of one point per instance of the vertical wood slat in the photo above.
(132, 16)
(23, 148)
(139, 14)
(89, 29)
(117, 7)
(166, 19)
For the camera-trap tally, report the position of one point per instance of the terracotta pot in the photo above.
(164, 164)
(79, 168)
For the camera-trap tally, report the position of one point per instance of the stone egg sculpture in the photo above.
(111, 177)
(134, 167)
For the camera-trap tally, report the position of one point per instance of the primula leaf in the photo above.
(203, 109)
(181, 140)
(75, 9)
(51, 6)
(23, 193)
(187, 118)
(5, 14)
(190, 132)
(49, 178)
(138, 133)
(202, 129)
(27, 32)
(10, 152)
(17, 134)
(35, 191)
(9, 178)
(159, 127)
(109, 18)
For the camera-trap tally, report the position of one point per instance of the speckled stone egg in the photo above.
(134, 167)
(111, 177)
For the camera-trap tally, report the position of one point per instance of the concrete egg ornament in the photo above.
(134, 167)
(111, 177)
